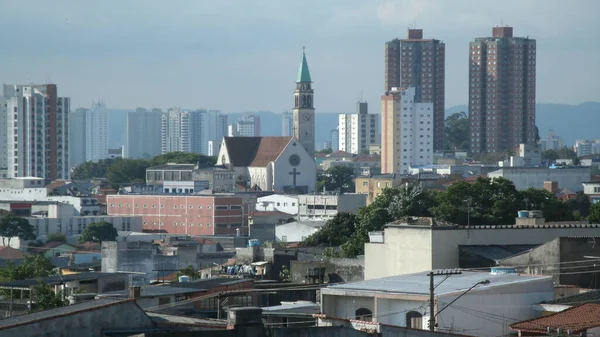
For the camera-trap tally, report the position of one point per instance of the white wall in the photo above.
(278, 202)
(296, 231)
(307, 168)
(524, 178)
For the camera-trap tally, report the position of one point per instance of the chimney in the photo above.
(551, 186)
(135, 291)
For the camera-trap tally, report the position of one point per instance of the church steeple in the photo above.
(303, 73)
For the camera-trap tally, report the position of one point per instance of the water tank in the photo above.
(184, 278)
(523, 214)
(254, 243)
(502, 271)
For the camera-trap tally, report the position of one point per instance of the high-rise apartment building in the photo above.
(179, 131)
(96, 132)
(406, 131)
(286, 124)
(248, 126)
(335, 140)
(77, 137)
(501, 91)
(551, 141)
(35, 137)
(304, 110)
(213, 127)
(143, 129)
(359, 130)
(419, 63)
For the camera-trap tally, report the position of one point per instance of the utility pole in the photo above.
(432, 286)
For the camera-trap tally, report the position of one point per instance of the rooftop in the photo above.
(152, 291)
(57, 279)
(496, 252)
(254, 151)
(418, 283)
(207, 284)
(586, 297)
(164, 319)
(176, 167)
(293, 308)
(577, 319)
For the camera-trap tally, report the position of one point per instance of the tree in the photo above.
(183, 158)
(326, 151)
(56, 237)
(12, 225)
(580, 205)
(189, 271)
(92, 169)
(594, 217)
(127, 171)
(46, 299)
(553, 208)
(35, 266)
(334, 232)
(456, 132)
(337, 178)
(562, 153)
(98, 232)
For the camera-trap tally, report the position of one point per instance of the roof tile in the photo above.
(254, 151)
(577, 319)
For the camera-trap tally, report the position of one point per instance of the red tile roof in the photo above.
(9, 253)
(254, 151)
(577, 319)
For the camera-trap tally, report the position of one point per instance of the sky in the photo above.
(240, 55)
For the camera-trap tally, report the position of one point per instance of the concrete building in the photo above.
(187, 215)
(406, 131)
(286, 124)
(419, 63)
(297, 231)
(248, 126)
(218, 179)
(373, 185)
(525, 177)
(404, 300)
(335, 140)
(592, 190)
(361, 164)
(358, 131)
(35, 138)
(96, 132)
(179, 131)
(143, 128)
(77, 137)
(115, 153)
(420, 244)
(213, 127)
(322, 207)
(551, 141)
(587, 147)
(501, 91)
(304, 110)
(278, 203)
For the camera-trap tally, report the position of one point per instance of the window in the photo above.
(414, 320)
(238, 207)
(365, 183)
(145, 206)
(199, 206)
(128, 205)
(221, 207)
(278, 204)
(175, 223)
(284, 204)
(364, 314)
(293, 204)
(174, 206)
(191, 206)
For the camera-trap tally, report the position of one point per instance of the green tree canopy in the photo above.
(35, 266)
(14, 226)
(456, 132)
(45, 298)
(56, 237)
(562, 153)
(98, 232)
(334, 232)
(580, 205)
(595, 213)
(189, 271)
(326, 151)
(337, 178)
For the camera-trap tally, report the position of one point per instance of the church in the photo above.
(278, 164)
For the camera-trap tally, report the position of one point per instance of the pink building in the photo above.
(191, 215)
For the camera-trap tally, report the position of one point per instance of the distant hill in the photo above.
(570, 122)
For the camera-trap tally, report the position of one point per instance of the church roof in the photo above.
(303, 73)
(254, 151)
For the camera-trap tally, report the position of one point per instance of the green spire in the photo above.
(303, 73)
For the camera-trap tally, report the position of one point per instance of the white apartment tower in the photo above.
(179, 131)
(96, 132)
(359, 130)
(212, 127)
(406, 131)
(551, 141)
(77, 137)
(35, 141)
(335, 140)
(248, 126)
(143, 130)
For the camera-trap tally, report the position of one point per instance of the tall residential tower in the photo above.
(419, 63)
(501, 91)
(304, 111)
(359, 130)
(143, 128)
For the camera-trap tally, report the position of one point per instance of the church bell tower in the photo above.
(304, 110)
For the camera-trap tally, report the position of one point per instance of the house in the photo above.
(404, 300)
(373, 185)
(86, 282)
(570, 261)
(592, 190)
(278, 202)
(291, 314)
(9, 253)
(526, 177)
(419, 244)
(297, 231)
(567, 302)
(270, 163)
(150, 296)
(54, 249)
(322, 207)
(582, 320)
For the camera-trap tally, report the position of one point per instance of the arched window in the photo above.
(414, 320)
(364, 314)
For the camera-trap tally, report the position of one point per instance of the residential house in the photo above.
(278, 202)
(592, 190)
(297, 231)
(373, 185)
(323, 207)
(582, 320)
(55, 249)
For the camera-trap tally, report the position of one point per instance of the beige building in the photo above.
(374, 185)
(406, 131)
(422, 244)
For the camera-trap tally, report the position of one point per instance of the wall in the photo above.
(93, 322)
(524, 178)
(278, 202)
(262, 232)
(142, 258)
(296, 231)
(336, 270)
(76, 225)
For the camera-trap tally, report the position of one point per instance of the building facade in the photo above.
(36, 138)
(406, 131)
(551, 141)
(179, 131)
(77, 137)
(335, 140)
(322, 207)
(189, 215)
(96, 132)
(419, 63)
(248, 126)
(304, 110)
(286, 124)
(587, 147)
(570, 178)
(358, 131)
(501, 91)
(213, 127)
(143, 128)
(374, 185)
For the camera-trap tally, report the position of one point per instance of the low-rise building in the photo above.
(278, 202)
(374, 185)
(582, 320)
(325, 206)
(528, 177)
(214, 214)
(420, 244)
(297, 231)
(189, 178)
(404, 300)
(592, 190)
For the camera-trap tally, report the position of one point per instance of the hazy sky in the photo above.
(240, 55)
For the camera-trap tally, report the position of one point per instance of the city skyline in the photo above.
(344, 43)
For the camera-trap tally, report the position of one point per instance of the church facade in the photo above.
(279, 164)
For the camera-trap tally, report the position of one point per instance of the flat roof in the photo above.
(418, 283)
(176, 167)
(152, 291)
(293, 308)
(57, 279)
(207, 284)
(482, 227)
